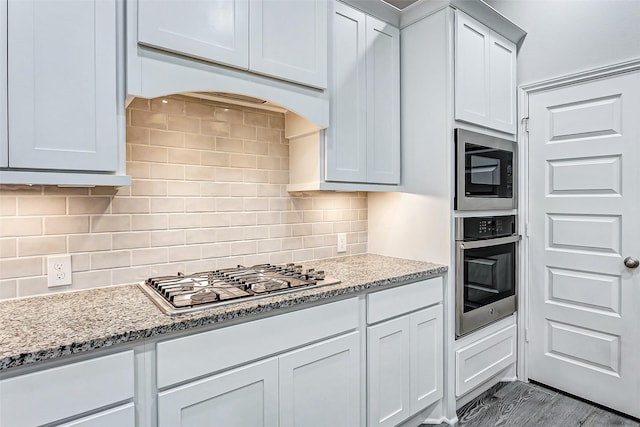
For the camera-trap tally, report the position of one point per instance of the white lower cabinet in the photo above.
(404, 351)
(317, 385)
(404, 366)
(246, 396)
(481, 358)
(320, 384)
(64, 392)
(300, 368)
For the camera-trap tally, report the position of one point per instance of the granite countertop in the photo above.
(48, 327)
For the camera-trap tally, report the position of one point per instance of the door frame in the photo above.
(524, 91)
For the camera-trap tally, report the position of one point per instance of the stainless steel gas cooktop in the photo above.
(187, 293)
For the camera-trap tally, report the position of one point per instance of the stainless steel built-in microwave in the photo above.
(485, 172)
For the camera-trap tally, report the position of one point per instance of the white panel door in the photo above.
(4, 148)
(383, 102)
(288, 40)
(62, 84)
(388, 375)
(320, 384)
(246, 396)
(426, 349)
(214, 30)
(347, 140)
(584, 146)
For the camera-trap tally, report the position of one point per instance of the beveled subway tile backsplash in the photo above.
(208, 191)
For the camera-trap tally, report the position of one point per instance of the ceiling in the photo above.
(400, 4)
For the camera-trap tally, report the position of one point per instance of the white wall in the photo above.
(568, 36)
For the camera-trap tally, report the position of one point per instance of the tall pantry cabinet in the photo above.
(458, 70)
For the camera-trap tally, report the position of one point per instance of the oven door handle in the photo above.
(489, 242)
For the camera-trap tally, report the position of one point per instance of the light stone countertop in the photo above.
(52, 326)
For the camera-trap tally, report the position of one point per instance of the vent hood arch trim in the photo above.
(151, 74)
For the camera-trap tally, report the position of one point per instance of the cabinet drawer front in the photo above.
(66, 391)
(122, 416)
(233, 345)
(481, 360)
(403, 299)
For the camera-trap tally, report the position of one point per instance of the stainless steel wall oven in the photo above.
(485, 172)
(486, 270)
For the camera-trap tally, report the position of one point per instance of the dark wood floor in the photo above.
(521, 404)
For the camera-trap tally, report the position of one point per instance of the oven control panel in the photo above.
(488, 227)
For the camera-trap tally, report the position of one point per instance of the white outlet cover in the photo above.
(342, 242)
(59, 270)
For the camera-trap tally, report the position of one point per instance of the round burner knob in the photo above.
(319, 275)
(290, 266)
(297, 269)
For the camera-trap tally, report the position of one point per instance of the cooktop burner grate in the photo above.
(186, 293)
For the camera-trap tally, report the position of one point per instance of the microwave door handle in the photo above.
(490, 242)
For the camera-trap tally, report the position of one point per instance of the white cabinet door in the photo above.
(502, 75)
(62, 84)
(485, 76)
(383, 102)
(320, 384)
(404, 366)
(346, 154)
(363, 143)
(246, 396)
(215, 30)
(388, 375)
(288, 40)
(426, 358)
(471, 71)
(4, 147)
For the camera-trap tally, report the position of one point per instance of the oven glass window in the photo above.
(488, 172)
(489, 275)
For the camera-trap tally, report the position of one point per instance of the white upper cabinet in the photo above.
(286, 39)
(62, 97)
(363, 144)
(210, 30)
(347, 143)
(485, 76)
(383, 102)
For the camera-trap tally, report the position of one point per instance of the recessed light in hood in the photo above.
(234, 97)
(238, 99)
(400, 4)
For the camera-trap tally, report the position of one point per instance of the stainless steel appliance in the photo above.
(485, 172)
(187, 293)
(486, 270)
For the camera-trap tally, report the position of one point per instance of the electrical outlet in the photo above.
(59, 270)
(342, 242)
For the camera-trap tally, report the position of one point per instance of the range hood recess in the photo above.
(238, 99)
